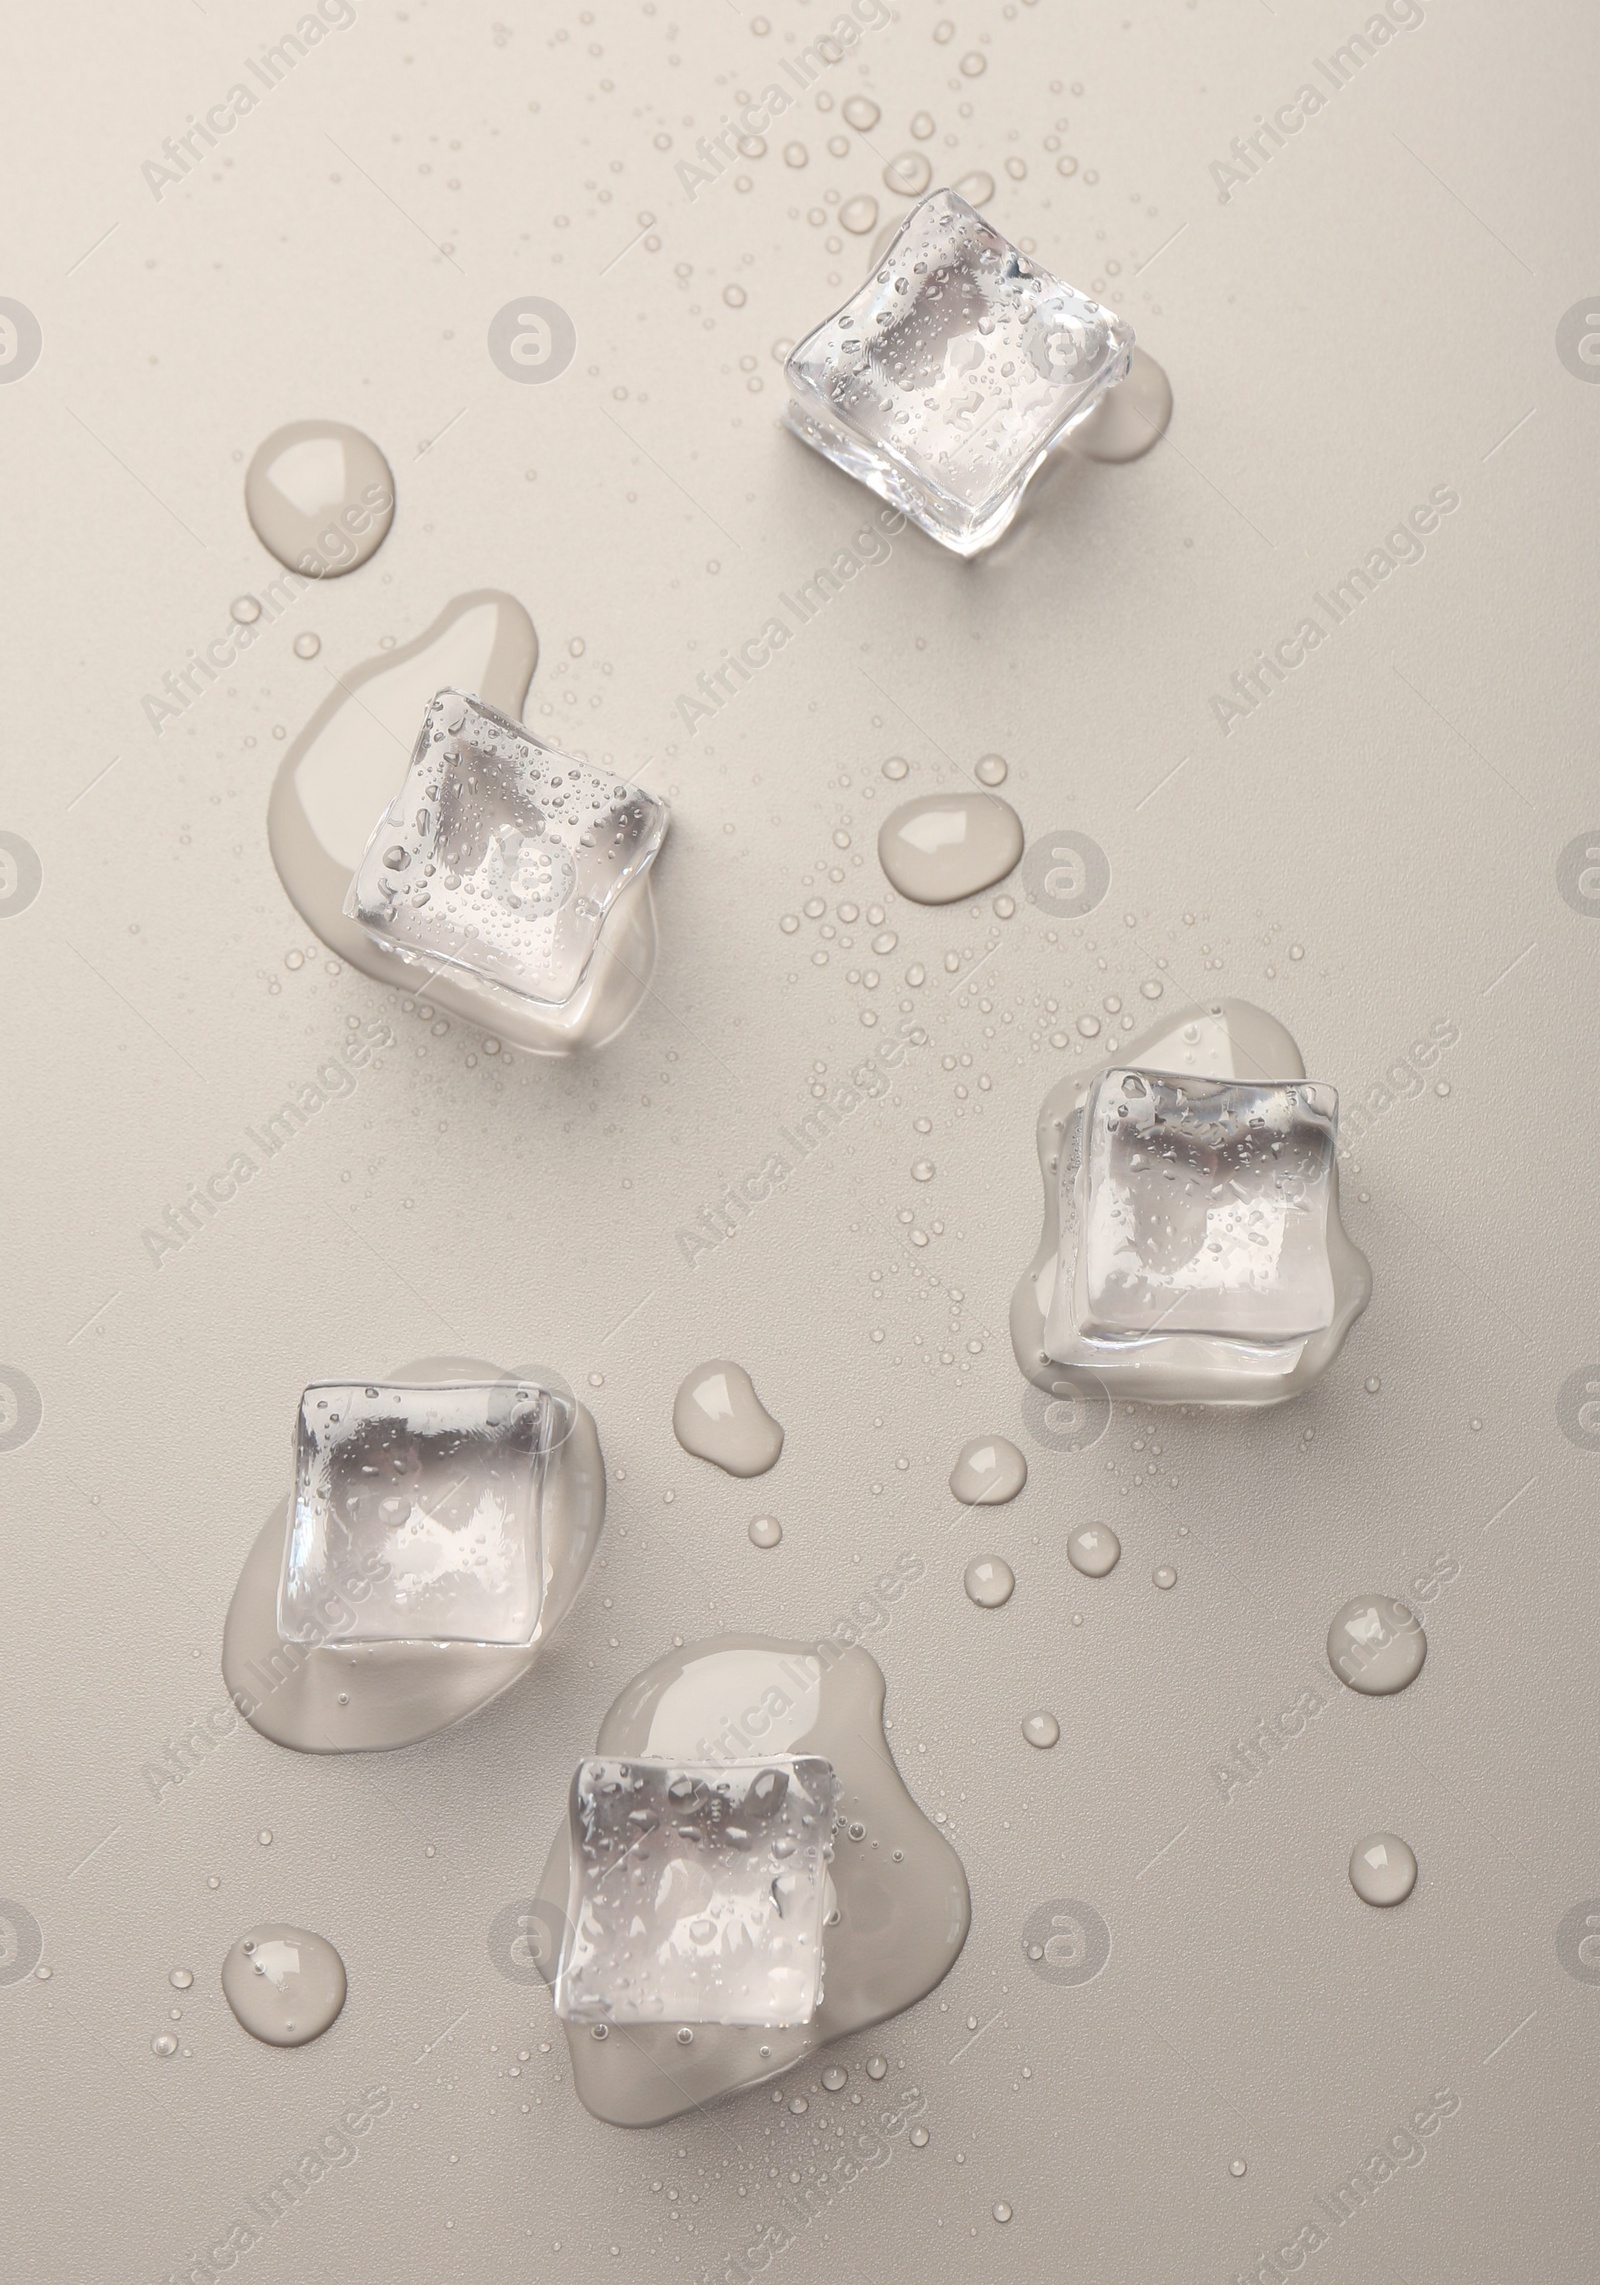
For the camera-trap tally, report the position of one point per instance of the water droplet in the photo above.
(1001, 2211)
(919, 2138)
(988, 1471)
(1376, 1645)
(943, 847)
(163, 2044)
(991, 769)
(765, 1531)
(1164, 1575)
(284, 1984)
(977, 188)
(1373, 1385)
(896, 767)
(718, 1416)
(245, 609)
(1094, 1549)
(264, 1837)
(1151, 987)
(733, 296)
(1041, 1730)
(798, 2105)
(989, 1581)
(307, 645)
(320, 496)
(1089, 1026)
(795, 154)
(858, 215)
(909, 172)
(685, 2035)
(833, 2078)
(1383, 1869)
(877, 2068)
(1237, 2169)
(181, 1979)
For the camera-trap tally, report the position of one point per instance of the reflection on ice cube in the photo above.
(944, 381)
(417, 1512)
(501, 854)
(1203, 1208)
(698, 1891)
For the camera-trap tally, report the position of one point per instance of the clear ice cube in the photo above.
(1203, 1208)
(417, 1512)
(944, 381)
(697, 1891)
(501, 854)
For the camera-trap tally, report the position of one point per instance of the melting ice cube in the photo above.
(943, 382)
(417, 1513)
(501, 854)
(1203, 1208)
(697, 1891)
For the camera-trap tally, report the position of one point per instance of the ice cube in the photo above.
(501, 854)
(697, 1891)
(944, 381)
(1203, 1208)
(417, 1512)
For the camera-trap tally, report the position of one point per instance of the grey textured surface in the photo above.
(1391, 304)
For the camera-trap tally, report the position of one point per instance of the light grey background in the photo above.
(1374, 314)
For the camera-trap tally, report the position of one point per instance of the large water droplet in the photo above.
(989, 1581)
(285, 1984)
(1383, 1869)
(942, 847)
(718, 1416)
(1376, 1645)
(320, 496)
(1094, 1549)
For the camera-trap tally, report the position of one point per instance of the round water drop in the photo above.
(733, 296)
(919, 2138)
(1237, 2169)
(1164, 1576)
(795, 154)
(977, 188)
(1001, 2211)
(989, 1581)
(896, 767)
(306, 646)
(718, 1416)
(860, 112)
(859, 214)
(1042, 1730)
(991, 769)
(285, 1984)
(320, 496)
(923, 1170)
(245, 609)
(910, 172)
(988, 1472)
(685, 2035)
(946, 846)
(833, 2078)
(1376, 1645)
(1094, 1549)
(181, 1978)
(1383, 1869)
(765, 1531)
(798, 2105)
(163, 2044)
(877, 2068)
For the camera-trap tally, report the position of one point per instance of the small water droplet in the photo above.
(1383, 1869)
(992, 769)
(877, 2068)
(989, 1581)
(1164, 1575)
(1094, 1549)
(307, 645)
(1237, 2169)
(164, 2044)
(181, 1979)
(833, 2078)
(1001, 2211)
(1041, 1729)
(919, 2138)
(765, 1531)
